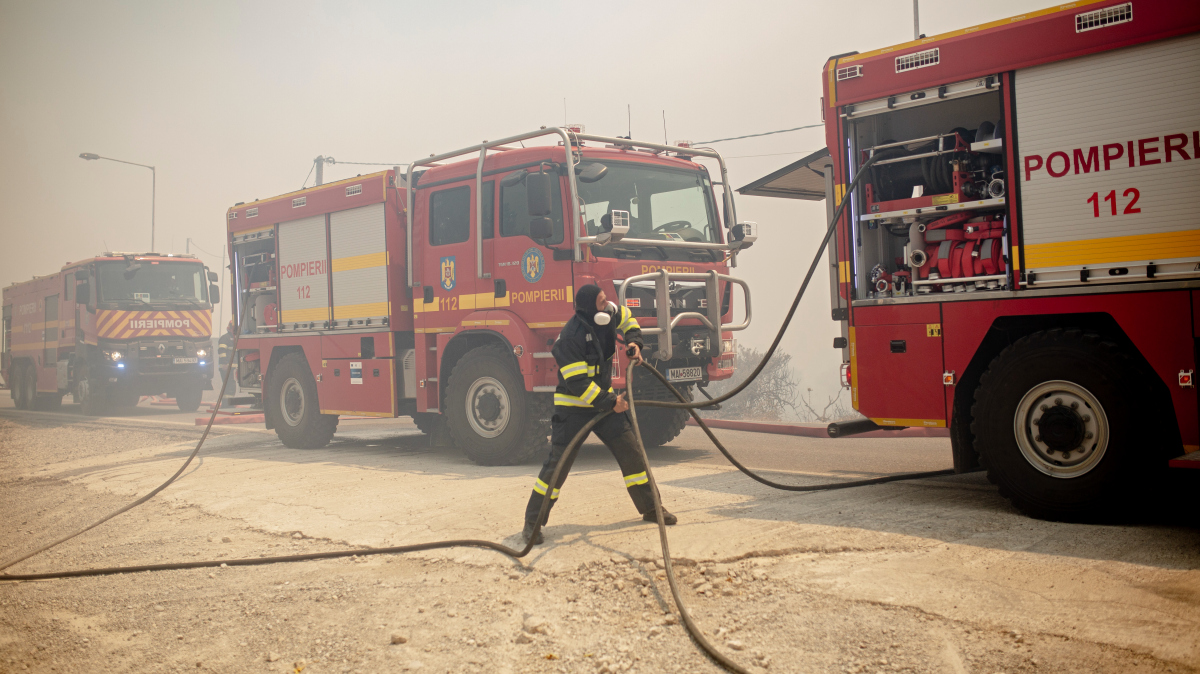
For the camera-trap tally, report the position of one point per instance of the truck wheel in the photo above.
(427, 422)
(19, 393)
(29, 387)
(293, 396)
(660, 425)
(1054, 425)
(91, 398)
(488, 412)
(188, 400)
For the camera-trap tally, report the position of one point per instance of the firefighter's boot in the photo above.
(532, 534)
(668, 518)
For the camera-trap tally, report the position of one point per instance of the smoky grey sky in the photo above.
(231, 102)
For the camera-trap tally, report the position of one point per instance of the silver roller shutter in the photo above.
(303, 274)
(359, 263)
(1067, 112)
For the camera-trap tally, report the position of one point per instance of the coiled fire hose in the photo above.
(692, 628)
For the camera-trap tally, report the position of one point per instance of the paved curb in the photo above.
(817, 431)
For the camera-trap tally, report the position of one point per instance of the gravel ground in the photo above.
(433, 613)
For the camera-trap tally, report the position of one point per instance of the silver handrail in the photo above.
(662, 304)
(482, 148)
(580, 237)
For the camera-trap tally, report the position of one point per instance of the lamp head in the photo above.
(88, 156)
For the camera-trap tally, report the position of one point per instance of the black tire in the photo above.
(660, 425)
(427, 422)
(93, 401)
(962, 440)
(29, 387)
(1093, 393)
(20, 394)
(510, 425)
(298, 419)
(188, 400)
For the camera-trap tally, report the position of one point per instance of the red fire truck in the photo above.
(110, 329)
(437, 292)
(1021, 262)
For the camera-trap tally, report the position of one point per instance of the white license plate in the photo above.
(683, 374)
(183, 361)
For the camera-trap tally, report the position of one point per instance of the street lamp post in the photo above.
(88, 156)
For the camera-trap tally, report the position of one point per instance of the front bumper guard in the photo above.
(662, 304)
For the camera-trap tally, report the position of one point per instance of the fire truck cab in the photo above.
(437, 292)
(1019, 259)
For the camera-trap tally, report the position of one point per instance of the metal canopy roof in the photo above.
(804, 179)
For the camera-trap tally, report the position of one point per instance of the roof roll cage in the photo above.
(570, 140)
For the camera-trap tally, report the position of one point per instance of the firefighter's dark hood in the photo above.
(585, 304)
(585, 311)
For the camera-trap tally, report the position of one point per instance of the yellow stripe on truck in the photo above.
(304, 315)
(1164, 246)
(359, 262)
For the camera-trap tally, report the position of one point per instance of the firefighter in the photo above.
(584, 353)
(224, 353)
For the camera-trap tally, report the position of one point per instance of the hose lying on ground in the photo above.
(693, 629)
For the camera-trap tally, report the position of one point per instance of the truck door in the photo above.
(538, 288)
(447, 269)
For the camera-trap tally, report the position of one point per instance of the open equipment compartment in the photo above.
(930, 216)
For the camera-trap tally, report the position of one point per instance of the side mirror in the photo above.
(538, 193)
(83, 295)
(212, 277)
(590, 173)
(214, 293)
(541, 228)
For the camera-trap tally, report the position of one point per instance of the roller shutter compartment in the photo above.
(359, 262)
(303, 275)
(1108, 168)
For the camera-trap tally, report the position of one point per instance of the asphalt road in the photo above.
(933, 575)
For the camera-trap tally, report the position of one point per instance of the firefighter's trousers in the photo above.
(616, 432)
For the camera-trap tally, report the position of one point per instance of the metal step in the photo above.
(1189, 460)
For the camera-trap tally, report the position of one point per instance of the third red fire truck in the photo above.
(438, 292)
(1021, 261)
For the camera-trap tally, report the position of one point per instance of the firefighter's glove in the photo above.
(634, 352)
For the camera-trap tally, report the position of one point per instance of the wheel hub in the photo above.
(1061, 429)
(488, 407)
(291, 402)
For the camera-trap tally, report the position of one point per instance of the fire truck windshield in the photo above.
(149, 282)
(664, 204)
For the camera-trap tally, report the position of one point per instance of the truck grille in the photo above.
(160, 355)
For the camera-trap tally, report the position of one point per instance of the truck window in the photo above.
(489, 209)
(450, 216)
(152, 282)
(514, 212)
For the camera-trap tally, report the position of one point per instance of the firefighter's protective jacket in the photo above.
(584, 358)
(224, 349)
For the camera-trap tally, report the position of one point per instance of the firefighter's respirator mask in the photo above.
(605, 317)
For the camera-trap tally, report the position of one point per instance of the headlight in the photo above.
(200, 353)
(115, 355)
(728, 346)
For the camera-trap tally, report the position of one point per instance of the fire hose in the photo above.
(691, 626)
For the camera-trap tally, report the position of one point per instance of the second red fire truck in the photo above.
(438, 292)
(1021, 260)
